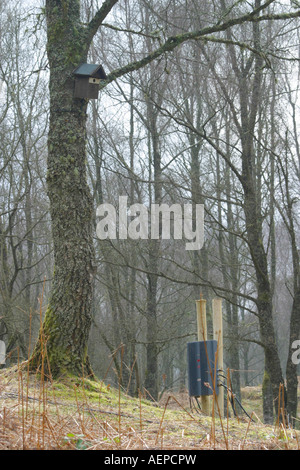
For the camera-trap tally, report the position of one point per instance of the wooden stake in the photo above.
(201, 319)
(202, 336)
(218, 336)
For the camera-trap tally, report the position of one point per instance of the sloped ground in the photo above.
(87, 415)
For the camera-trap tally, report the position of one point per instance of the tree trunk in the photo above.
(151, 379)
(68, 317)
(267, 396)
(254, 215)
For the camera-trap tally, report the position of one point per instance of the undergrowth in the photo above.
(83, 414)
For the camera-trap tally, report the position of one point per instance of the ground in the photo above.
(90, 415)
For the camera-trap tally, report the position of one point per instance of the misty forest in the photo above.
(198, 104)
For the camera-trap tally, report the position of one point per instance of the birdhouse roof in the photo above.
(90, 70)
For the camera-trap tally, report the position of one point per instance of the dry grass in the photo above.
(84, 414)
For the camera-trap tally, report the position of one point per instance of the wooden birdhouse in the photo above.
(87, 80)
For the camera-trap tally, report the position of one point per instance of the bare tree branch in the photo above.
(174, 41)
(98, 19)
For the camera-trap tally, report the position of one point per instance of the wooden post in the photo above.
(218, 336)
(202, 336)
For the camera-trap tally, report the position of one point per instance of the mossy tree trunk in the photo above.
(68, 316)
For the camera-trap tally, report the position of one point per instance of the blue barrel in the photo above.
(202, 370)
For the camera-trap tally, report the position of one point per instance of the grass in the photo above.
(252, 399)
(83, 414)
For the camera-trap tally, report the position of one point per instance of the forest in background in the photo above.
(212, 122)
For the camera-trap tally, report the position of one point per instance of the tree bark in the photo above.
(67, 321)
